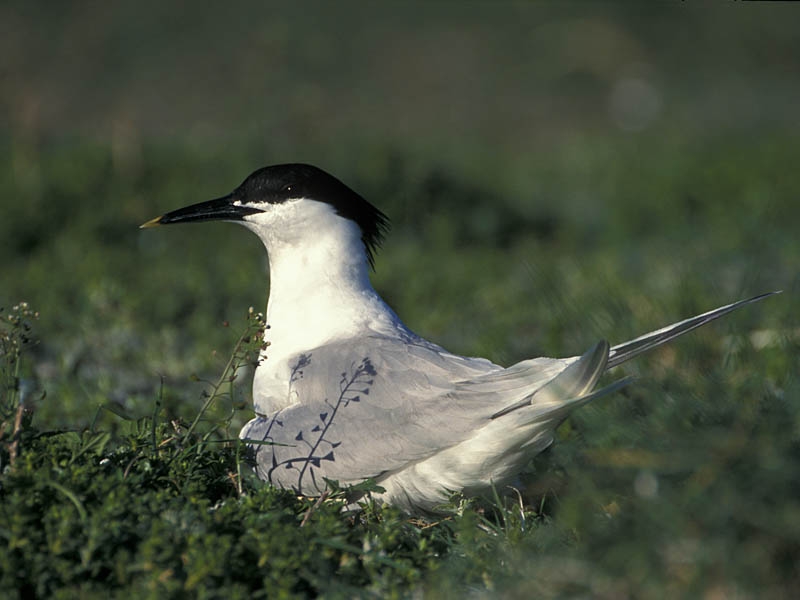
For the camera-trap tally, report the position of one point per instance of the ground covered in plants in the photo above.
(644, 172)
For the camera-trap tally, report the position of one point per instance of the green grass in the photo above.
(527, 220)
(685, 484)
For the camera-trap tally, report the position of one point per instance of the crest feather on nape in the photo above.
(279, 183)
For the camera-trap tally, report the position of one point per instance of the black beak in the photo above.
(221, 209)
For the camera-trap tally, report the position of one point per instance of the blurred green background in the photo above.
(555, 173)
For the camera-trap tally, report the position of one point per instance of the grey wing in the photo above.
(376, 407)
(364, 408)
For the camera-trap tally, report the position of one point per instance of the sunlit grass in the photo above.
(684, 484)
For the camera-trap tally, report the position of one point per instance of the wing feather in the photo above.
(380, 405)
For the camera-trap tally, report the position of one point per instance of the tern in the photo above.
(345, 392)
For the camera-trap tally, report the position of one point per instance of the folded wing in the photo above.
(377, 407)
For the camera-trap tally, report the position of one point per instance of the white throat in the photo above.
(319, 288)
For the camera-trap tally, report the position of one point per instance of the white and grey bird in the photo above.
(344, 391)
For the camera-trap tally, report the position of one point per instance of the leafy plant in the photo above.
(15, 338)
(171, 508)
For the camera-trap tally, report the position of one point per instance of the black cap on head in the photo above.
(279, 183)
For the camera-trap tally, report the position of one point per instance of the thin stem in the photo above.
(217, 385)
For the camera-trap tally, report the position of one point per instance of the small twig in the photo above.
(235, 482)
(129, 466)
(221, 381)
(422, 525)
(13, 447)
(314, 507)
(213, 395)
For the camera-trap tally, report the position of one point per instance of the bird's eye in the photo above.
(287, 188)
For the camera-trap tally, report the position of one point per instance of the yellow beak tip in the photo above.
(151, 223)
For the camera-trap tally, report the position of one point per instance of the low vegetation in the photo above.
(121, 402)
